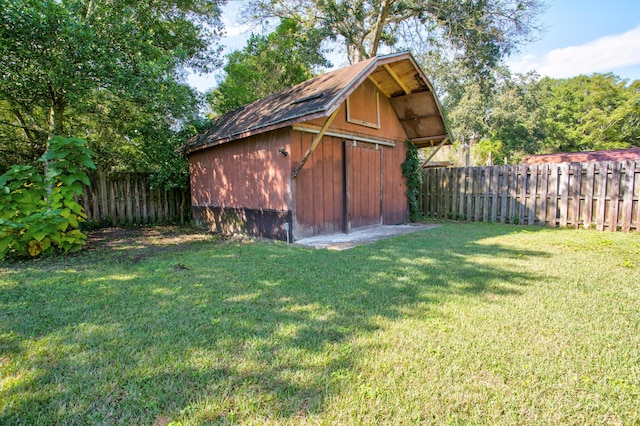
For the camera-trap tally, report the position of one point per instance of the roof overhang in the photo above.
(397, 76)
(413, 98)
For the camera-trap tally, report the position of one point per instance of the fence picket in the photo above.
(505, 189)
(522, 192)
(575, 188)
(605, 194)
(627, 195)
(424, 196)
(127, 199)
(587, 213)
(462, 193)
(486, 186)
(614, 196)
(563, 192)
(470, 181)
(544, 188)
(477, 192)
(603, 174)
(495, 190)
(533, 194)
(455, 182)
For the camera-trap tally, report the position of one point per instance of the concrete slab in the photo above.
(359, 236)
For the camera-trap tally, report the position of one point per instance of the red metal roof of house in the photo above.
(584, 157)
(397, 76)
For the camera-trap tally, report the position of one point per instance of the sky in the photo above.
(583, 37)
(579, 37)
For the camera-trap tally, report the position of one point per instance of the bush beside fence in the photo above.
(126, 199)
(604, 196)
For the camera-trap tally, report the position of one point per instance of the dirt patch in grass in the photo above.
(122, 245)
(153, 236)
(135, 245)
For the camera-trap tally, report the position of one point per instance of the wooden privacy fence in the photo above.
(126, 199)
(604, 196)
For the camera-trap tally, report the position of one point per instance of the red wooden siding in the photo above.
(248, 174)
(376, 187)
(319, 187)
(365, 189)
(362, 105)
(395, 207)
(390, 127)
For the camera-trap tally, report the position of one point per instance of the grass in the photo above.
(464, 323)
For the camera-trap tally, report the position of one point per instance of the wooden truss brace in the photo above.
(315, 142)
(444, 141)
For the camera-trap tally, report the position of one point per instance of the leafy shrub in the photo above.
(39, 213)
(413, 178)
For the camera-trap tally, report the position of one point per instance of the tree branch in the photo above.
(25, 127)
(380, 23)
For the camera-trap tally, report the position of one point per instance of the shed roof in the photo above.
(584, 157)
(397, 76)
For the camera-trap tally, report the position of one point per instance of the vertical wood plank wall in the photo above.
(319, 187)
(346, 185)
(127, 199)
(604, 195)
(365, 185)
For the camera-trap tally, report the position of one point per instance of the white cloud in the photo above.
(232, 30)
(600, 55)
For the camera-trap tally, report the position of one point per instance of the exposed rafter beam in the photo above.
(429, 138)
(418, 117)
(375, 83)
(397, 79)
(315, 142)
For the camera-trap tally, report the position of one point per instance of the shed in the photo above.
(321, 157)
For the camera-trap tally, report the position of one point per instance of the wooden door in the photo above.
(364, 187)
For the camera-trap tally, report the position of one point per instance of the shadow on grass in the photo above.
(220, 332)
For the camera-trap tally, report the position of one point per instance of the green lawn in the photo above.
(464, 323)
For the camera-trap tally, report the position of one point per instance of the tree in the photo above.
(479, 33)
(524, 115)
(267, 64)
(72, 67)
(585, 113)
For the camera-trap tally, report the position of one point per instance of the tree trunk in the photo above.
(56, 117)
(56, 123)
(380, 23)
(355, 53)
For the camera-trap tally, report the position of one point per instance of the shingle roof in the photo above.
(319, 96)
(584, 157)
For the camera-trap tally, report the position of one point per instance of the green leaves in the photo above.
(477, 33)
(524, 114)
(590, 113)
(413, 178)
(266, 65)
(110, 70)
(39, 214)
